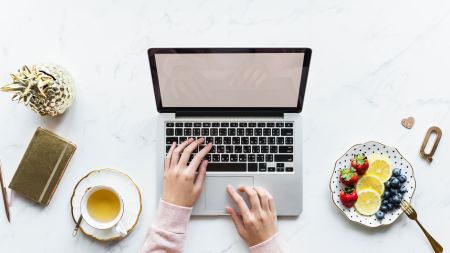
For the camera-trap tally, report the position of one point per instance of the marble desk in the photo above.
(373, 63)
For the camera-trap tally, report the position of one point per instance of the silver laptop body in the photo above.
(247, 102)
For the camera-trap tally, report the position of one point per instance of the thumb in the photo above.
(237, 220)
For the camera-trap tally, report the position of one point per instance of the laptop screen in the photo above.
(216, 78)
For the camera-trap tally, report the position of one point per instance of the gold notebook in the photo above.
(42, 166)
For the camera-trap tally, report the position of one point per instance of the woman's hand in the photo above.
(259, 223)
(181, 186)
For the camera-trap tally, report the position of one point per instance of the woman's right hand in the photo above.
(258, 223)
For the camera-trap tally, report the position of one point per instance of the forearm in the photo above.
(167, 233)
(271, 245)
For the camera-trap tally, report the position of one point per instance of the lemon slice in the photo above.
(380, 166)
(368, 203)
(370, 183)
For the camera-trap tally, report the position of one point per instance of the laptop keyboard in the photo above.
(251, 146)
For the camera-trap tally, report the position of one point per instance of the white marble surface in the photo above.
(373, 63)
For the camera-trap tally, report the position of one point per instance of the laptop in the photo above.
(248, 103)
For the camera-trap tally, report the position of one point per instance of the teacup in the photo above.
(102, 208)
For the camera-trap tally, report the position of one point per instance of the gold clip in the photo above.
(436, 130)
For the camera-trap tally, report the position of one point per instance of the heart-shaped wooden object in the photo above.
(408, 122)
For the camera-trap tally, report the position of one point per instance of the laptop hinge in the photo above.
(219, 113)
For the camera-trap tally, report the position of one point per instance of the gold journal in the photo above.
(42, 166)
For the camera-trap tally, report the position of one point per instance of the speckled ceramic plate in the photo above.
(397, 161)
(126, 188)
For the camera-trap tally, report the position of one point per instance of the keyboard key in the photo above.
(228, 149)
(233, 124)
(187, 124)
(247, 149)
(285, 149)
(197, 124)
(275, 131)
(271, 169)
(284, 158)
(289, 124)
(209, 140)
(242, 124)
(232, 167)
(224, 124)
(242, 158)
(233, 158)
(255, 149)
(222, 131)
(289, 140)
(262, 167)
(236, 140)
(266, 131)
(253, 140)
(252, 124)
(260, 124)
(269, 158)
(271, 124)
(218, 140)
(270, 140)
(208, 157)
(167, 148)
(183, 139)
(215, 124)
(274, 149)
(215, 158)
(214, 131)
(240, 132)
(264, 149)
(170, 140)
(206, 124)
(196, 131)
(252, 167)
(226, 140)
(187, 132)
(280, 169)
(244, 140)
(280, 165)
(258, 131)
(249, 131)
(213, 149)
(205, 131)
(251, 157)
(287, 132)
(238, 149)
(179, 124)
(280, 140)
(220, 149)
(225, 158)
(262, 140)
(231, 131)
(169, 124)
(169, 132)
(289, 169)
(178, 131)
(260, 158)
(280, 124)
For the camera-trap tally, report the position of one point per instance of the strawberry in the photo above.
(360, 163)
(349, 176)
(348, 196)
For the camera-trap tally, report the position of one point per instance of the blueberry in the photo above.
(393, 192)
(395, 183)
(379, 215)
(401, 178)
(404, 189)
(390, 206)
(396, 172)
(384, 208)
(386, 194)
(397, 199)
(387, 185)
(385, 202)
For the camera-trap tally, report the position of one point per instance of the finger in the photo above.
(188, 151)
(252, 195)
(169, 156)
(178, 151)
(263, 198)
(237, 220)
(199, 157)
(198, 185)
(272, 206)
(243, 208)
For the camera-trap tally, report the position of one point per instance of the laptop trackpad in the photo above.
(216, 192)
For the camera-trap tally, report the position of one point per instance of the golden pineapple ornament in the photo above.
(46, 88)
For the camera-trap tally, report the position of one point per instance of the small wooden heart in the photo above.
(408, 122)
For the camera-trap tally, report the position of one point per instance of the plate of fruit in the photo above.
(369, 182)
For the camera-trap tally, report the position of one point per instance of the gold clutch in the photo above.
(42, 166)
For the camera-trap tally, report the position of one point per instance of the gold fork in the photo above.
(411, 213)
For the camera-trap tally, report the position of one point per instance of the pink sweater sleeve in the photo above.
(167, 233)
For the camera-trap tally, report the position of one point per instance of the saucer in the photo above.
(127, 189)
(397, 160)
